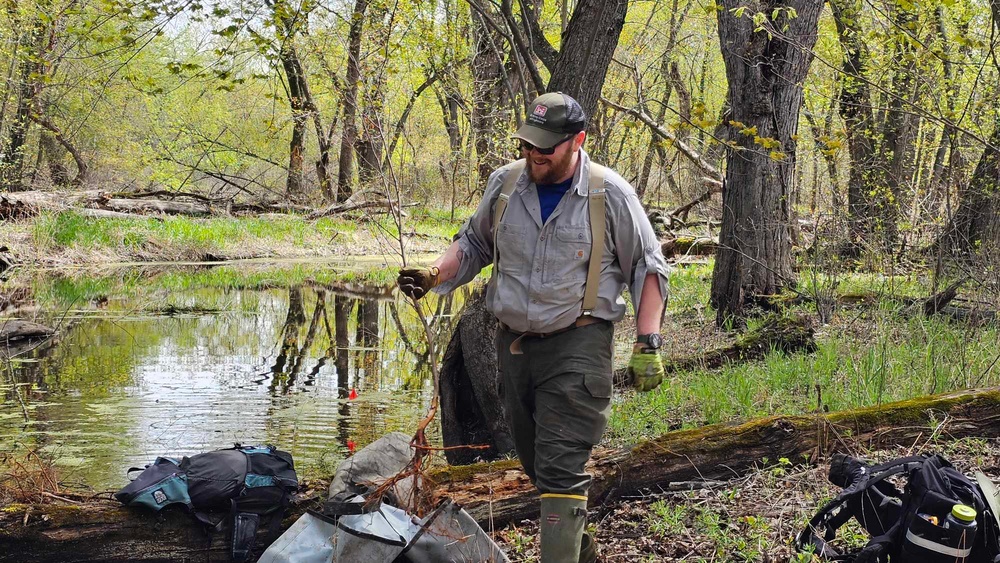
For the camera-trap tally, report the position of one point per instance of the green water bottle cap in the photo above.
(963, 512)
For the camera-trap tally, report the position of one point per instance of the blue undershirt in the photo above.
(549, 196)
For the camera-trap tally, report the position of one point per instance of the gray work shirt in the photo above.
(539, 281)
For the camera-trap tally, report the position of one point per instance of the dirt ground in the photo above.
(749, 519)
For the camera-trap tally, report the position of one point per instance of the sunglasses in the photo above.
(528, 147)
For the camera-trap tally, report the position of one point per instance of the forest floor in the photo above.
(753, 518)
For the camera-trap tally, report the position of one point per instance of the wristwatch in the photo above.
(652, 341)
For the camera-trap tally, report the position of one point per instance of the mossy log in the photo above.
(498, 493)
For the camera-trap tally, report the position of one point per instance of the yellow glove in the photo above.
(416, 282)
(646, 370)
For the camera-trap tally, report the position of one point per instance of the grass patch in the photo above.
(187, 238)
(865, 357)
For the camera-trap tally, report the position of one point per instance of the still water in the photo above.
(147, 369)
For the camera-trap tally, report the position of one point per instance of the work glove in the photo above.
(416, 282)
(646, 370)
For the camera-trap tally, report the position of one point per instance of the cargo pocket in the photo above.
(598, 385)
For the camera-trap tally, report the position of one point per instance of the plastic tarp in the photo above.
(448, 534)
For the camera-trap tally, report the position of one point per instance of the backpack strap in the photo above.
(598, 219)
(836, 512)
(596, 203)
(509, 183)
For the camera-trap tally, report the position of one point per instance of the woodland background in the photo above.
(870, 123)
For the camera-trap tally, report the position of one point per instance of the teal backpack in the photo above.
(245, 484)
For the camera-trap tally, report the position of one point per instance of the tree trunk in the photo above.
(31, 66)
(765, 71)
(345, 174)
(899, 132)
(856, 110)
(471, 410)
(371, 138)
(588, 45)
(53, 154)
(490, 99)
(297, 97)
(976, 224)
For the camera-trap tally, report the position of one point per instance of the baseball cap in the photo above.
(551, 118)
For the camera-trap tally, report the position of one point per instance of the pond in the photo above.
(180, 361)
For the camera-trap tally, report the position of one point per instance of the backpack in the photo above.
(248, 483)
(901, 522)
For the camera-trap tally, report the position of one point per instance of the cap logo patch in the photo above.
(540, 110)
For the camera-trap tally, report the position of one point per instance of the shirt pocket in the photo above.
(568, 254)
(510, 249)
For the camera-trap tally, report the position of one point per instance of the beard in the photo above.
(553, 170)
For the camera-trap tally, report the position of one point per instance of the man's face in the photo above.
(556, 167)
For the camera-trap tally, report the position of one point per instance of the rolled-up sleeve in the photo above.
(475, 238)
(638, 249)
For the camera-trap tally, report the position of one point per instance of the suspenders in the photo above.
(598, 218)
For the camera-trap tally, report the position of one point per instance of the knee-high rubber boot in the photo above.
(588, 549)
(562, 521)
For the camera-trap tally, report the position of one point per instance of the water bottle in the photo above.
(930, 539)
(962, 517)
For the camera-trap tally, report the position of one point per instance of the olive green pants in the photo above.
(557, 395)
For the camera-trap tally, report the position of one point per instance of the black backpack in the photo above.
(248, 484)
(900, 521)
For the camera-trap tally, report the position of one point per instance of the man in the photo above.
(555, 344)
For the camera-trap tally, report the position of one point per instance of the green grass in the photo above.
(189, 238)
(867, 356)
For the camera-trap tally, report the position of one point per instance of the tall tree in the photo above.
(345, 174)
(976, 224)
(899, 131)
(859, 121)
(767, 49)
(491, 98)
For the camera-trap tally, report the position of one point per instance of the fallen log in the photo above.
(689, 246)
(195, 209)
(16, 330)
(498, 493)
(106, 214)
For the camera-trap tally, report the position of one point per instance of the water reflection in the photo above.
(180, 372)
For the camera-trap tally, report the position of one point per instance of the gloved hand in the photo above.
(416, 282)
(646, 370)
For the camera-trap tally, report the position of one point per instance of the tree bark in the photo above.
(471, 410)
(588, 46)
(765, 70)
(345, 174)
(31, 65)
(490, 100)
(976, 224)
(899, 132)
(856, 110)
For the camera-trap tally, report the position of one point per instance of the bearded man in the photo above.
(566, 237)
